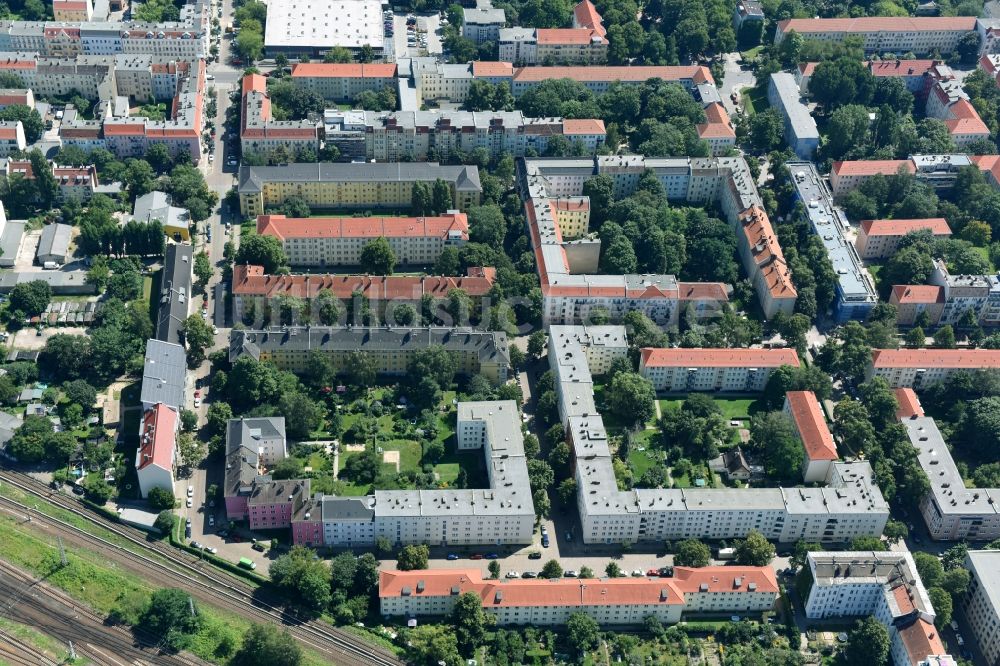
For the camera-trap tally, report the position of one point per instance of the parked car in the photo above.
(452, 556)
(545, 540)
(513, 574)
(259, 547)
(190, 502)
(529, 574)
(534, 555)
(492, 556)
(191, 488)
(638, 573)
(653, 572)
(569, 574)
(476, 556)
(211, 521)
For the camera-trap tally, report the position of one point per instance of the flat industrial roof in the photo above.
(324, 24)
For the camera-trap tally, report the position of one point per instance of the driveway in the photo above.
(735, 79)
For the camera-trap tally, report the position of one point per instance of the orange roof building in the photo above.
(682, 370)
(261, 134)
(817, 440)
(343, 82)
(909, 403)
(918, 368)
(610, 601)
(339, 241)
(154, 459)
(879, 239)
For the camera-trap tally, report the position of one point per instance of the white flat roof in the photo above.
(324, 23)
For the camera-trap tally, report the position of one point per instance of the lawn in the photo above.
(751, 55)
(754, 100)
(732, 408)
(985, 252)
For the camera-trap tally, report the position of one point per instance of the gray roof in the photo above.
(348, 508)
(156, 206)
(465, 178)
(484, 14)
(163, 374)
(266, 491)
(491, 345)
(796, 113)
(55, 240)
(241, 470)
(243, 432)
(829, 223)
(175, 293)
(984, 565)
(61, 282)
(10, 241)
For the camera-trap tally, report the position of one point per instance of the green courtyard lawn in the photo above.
(735, 408)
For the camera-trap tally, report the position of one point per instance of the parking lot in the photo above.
(426, 25)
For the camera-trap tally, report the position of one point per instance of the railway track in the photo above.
(18, 653)
(194, 575)
(52, 611)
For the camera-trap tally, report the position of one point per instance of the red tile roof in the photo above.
(872, 167)
(569, 36)
(695, 73)
(583, 126)
(909, 404)
(252, 281)
(904, 294)
(492, 69)
(878, 24)
(156, 447)
(344, 70)
(362, 227)
(970, 359)
(585, 15)
(718, 358)
(937, 226)
(921, 640)
(811, 424)
(702, 291)
(901, 67)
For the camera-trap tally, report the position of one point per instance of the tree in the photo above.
(895, 531)
(161, 499)
(867, 643)
(267, 645)
(203, 270)
(98, 273)
(218, 417)
(31, 298)
(165, 522)
(45, 181)
(582, 632)
(766, 131)
(198, 336)
(692, 553)
(190, 450)
(968, 47)
(494, 569)
(619, 257)
(956, 582)
(432, 644)
(441, 197)
(470, 621)
(302, 415)
(169, 617)
(843, 81)
(79, 392)
(944, 337)
(632, 398)
(30, 119)
(421, 199)
(250, 45)
(125, 285)
(413, 556)
(943, 607)
(327, 307)
(305, 582)
(189, 420)
(754, 550)
(613, 570)
(263, 251)
(567, 491)
(802, 548)
(847, 130)
(551, 569)
(868, 543)
(775, 435)
(916, 337)
(536, 343)
(377, 257)
(30, 443)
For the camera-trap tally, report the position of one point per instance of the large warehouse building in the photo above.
(315, 26)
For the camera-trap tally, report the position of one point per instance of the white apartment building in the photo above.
(155, 457)
(724, 370)
(11, 137)
(817, 440)
(339, 241)
(879, 239)
(393, 136)
(482, 23)
(849, 505)
(260, 133)
(951, 511)
(883, 584)
(609, 601)
(265, 436)
(917, 368)
(882, 34)
(501, 514)
(981, 603)
(556, 46)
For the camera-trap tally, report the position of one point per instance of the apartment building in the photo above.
(951, 511)
(599, 78)
(255, 294)
(609, 601)
(340, 241)
(271, 503)
(394, 136)
(856, 294)
(555, 46)
(801, 133)
(502, 514)
(949, 103)
(879, 239)
(253, 446)
(11, 137)
(156, 205)
(176, 280)
(483, 22)
(883, 34)
(849, 504)
(917, 75)
(163, 375)
(883, 584)
(981, 603)
(341, 83)
(72, 183)
(72, 10)
(747, 10)
(717, 130)
(17, 96)
(186, 39)
(917, 368)
(817, 440)
(354, 186)
(475, 351)
(726, 370)
(261, 134)
(156, 454)
(566, 267)
(912, 300)
(961, 294)
(938, 171)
